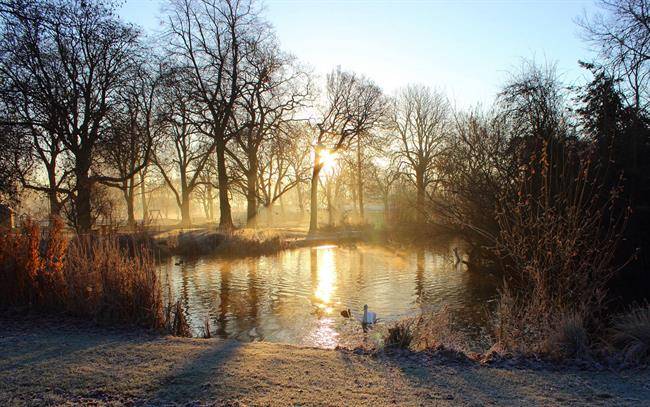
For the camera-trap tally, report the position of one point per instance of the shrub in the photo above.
(32, 266)
(631, 333)
(428, 330)
(243, 242)
(570, 339)
(250, 242)
(108, 285)
(400, 335)
(177, 324)
(558, 238)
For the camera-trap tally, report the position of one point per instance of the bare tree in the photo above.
(275, 174)
(354, 105)
(132, 127)
(420, 120)
(205, 188)
(622, 37)
(66, 61)
(383, 178)
(298, 155)
(211, 38)
(184, 151)
(274, 88)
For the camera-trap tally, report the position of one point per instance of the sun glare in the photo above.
(328, 159)
(326, 277)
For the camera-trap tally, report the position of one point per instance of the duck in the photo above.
(369, 317)
(178, 263)
(346, 313)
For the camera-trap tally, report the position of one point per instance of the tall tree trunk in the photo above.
(282, 208)
(360, 180)
(301, 202)
(419, 185)
(55, 205)
(83, 204)
(251, 192)
(355, 199)
(210, 198)
(386, 217)
(225, 214)
(129, 198)
(269, 214)
(143, 198)
(330, 209)
(313, 196)
(186, 221)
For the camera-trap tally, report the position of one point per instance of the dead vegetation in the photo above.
(236, 243)
(88, 277)
(429, 330)
(631, 334)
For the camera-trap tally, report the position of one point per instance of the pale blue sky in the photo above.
(465, 48)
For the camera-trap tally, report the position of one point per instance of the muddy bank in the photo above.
(55, 363)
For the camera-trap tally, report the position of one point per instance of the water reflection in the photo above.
(296, 296)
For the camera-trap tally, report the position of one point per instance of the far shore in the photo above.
(46, 362)
(247, 242)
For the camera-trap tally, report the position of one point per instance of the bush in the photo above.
(428, 330)
(106, 284)
(32, 267)
(243, 242)
(400, 335)
(569, 340)
(631, 333)
(176, 322)
(250, 242)
(558, 238)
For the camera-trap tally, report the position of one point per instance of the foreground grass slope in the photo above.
(54, 363)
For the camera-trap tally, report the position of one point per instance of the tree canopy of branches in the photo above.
(63, 64)
(212, 39)
(420, 120)
(353, 105)
(621, 35)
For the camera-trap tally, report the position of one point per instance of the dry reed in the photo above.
(89, 277)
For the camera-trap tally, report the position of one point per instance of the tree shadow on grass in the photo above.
(470, 382)
(200, 378)
(37, 342)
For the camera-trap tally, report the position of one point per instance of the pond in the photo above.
(297, 295)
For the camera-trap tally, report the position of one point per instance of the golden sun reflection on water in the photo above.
(326, 277)
(324, 267)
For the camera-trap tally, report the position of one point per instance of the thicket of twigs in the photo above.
(558, 238)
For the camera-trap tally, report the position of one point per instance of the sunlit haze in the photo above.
(325, 202)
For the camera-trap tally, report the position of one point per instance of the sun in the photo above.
(328, 161)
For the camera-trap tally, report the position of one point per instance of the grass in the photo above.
(238, 243)
(631, 334)
(251, 242)
(90, 277)
(429, 330)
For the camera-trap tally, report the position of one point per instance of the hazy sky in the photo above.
(465, 48)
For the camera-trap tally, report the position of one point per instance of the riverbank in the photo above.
(266, 241)
(60, 362)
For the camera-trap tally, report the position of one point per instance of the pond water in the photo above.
(297, 295)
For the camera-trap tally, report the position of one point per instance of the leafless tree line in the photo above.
(214, 109)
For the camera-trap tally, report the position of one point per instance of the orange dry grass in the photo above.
(106, 284)
(32, 266)
(90, 277)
